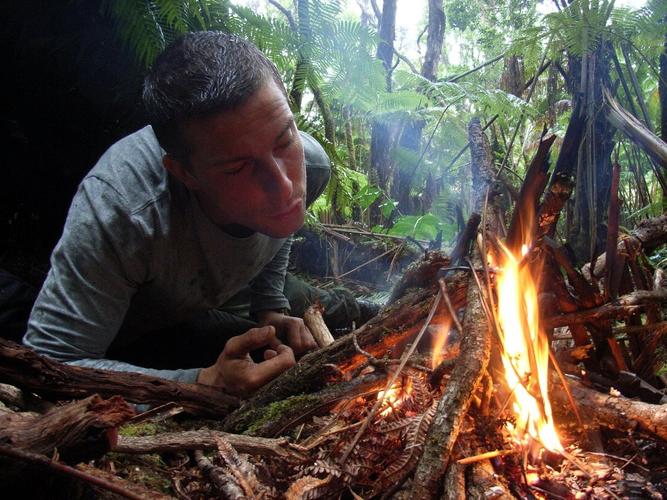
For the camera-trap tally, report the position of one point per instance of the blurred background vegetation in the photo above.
(390, 104)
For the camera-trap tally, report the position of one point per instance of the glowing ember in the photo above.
(525, 351)
(395, 396)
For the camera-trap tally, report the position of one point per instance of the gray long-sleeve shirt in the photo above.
(137, 254)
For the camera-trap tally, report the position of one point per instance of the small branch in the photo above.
(312, 317)
(485, 456)
(456, 78)
(206, 440)
(287, 14)
(406, 61)
(369, 261)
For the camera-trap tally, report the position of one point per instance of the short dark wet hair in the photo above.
(199, 75)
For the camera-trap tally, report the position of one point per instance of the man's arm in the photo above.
(96, 268)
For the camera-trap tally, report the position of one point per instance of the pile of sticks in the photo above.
(333, 404)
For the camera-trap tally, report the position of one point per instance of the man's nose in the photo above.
(277, 178)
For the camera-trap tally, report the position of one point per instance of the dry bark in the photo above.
(531, 190)
(78, 431)
(206, 440)
(24, 368)
(615, 412)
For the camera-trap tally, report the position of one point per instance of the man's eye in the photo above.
(285, 144)
(234, 168)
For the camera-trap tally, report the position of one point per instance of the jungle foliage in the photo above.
(520, 70)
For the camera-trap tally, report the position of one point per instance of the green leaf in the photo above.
(387, 207)
(367, 195)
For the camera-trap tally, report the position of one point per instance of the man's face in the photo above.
(246, 166)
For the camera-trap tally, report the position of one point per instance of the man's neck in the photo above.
(237, 230)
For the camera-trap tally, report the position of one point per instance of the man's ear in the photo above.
(178, 169)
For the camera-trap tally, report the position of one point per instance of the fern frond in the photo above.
(402, 467)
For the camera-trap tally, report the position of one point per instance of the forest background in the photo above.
(389, 104)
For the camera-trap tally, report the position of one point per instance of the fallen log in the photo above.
(26, 369)
(622, 307)
(648, 235)
(616, 412)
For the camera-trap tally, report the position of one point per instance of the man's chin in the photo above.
(284, 228)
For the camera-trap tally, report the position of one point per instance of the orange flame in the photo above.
(525, 351)
(395, 396)
(439, 349)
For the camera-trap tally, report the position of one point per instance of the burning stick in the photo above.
(486, 456)
(392, 381)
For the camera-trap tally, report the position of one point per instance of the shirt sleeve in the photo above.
(267, 286)
(96, 268)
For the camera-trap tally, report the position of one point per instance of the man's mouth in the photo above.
(292, 209)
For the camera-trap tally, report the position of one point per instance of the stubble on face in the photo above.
(247, 165)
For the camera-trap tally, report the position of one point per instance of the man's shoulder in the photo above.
(132, 168)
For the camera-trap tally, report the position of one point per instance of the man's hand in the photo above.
(237, 373)
(289, 328)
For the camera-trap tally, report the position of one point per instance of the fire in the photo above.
(525, 351)
(439, 349)
(395, 396)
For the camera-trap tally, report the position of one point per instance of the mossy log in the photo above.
(384, 336)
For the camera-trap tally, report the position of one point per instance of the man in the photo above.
(178, 217)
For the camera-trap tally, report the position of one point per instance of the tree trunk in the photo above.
(662, 89)
(383, 133)
(303, 65)
(412, 132)
(387, 32)
(593, 180)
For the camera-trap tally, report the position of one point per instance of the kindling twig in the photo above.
(485, 456)
(448, 302)
(392, 380)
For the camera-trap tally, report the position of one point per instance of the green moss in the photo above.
(278, 410)
(140, 429)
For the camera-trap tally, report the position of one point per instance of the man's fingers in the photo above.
(309, 340)
(268, 370)
(301, 340)
(241, 345)
(270, 354)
